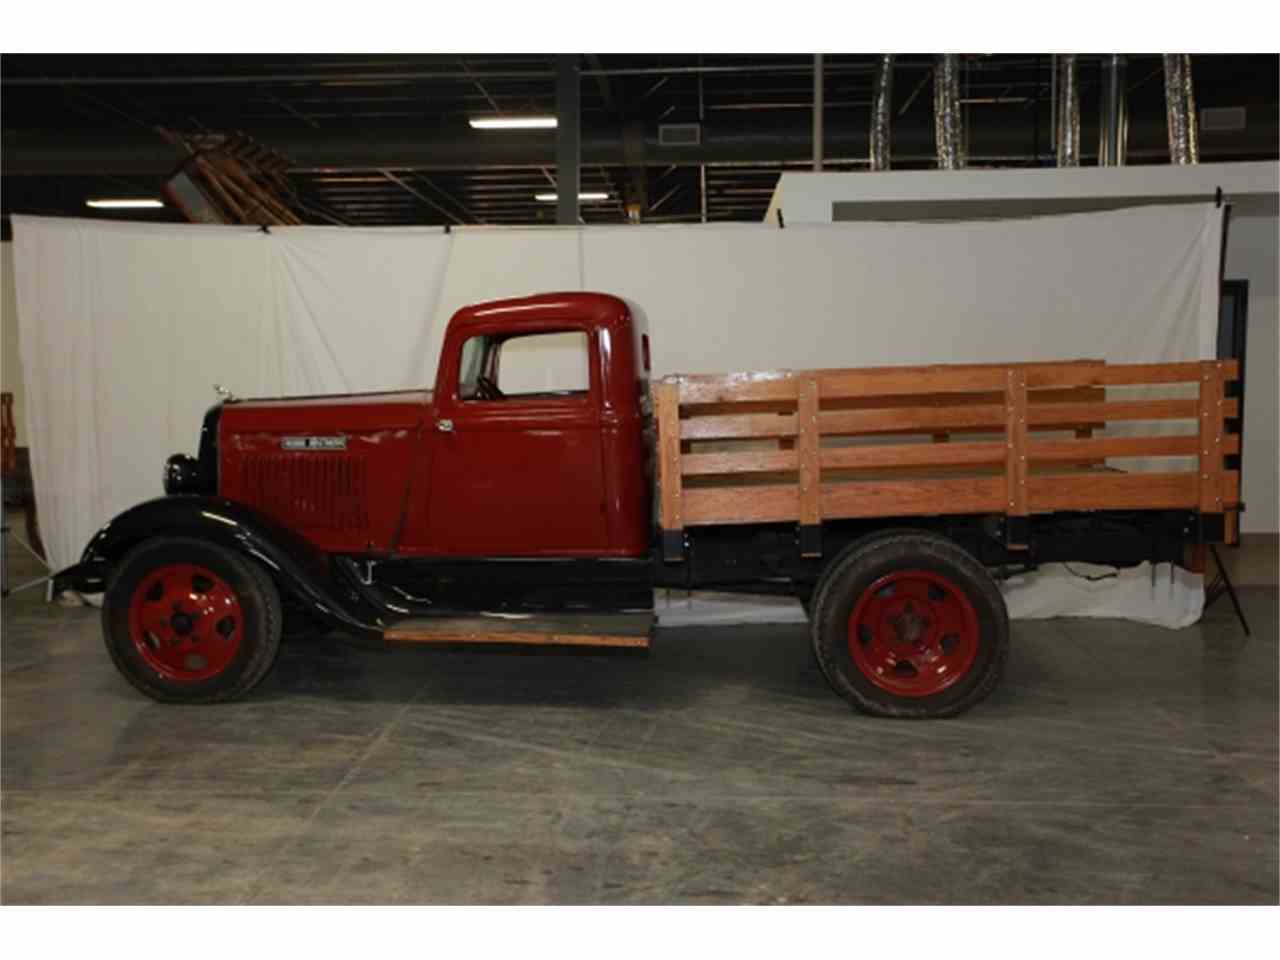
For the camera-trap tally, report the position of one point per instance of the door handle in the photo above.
(444, 426)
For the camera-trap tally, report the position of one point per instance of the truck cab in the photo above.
(530, 445)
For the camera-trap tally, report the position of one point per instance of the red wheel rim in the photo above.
(913, 633)
(185, 622)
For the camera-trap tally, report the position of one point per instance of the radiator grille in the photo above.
(326, 491)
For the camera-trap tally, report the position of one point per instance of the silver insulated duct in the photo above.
(948, 125)
(1068, 100)
(1113, 125)
(1180, 102)
(882, 114)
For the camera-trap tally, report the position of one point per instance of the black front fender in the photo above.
(300, 571)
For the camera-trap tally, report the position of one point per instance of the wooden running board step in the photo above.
(559, 629)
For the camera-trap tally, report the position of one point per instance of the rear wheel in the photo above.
(189, 621)
(909, 625)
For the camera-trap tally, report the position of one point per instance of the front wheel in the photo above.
(910, 625)
(189, 621)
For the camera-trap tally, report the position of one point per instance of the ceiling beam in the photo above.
(733, 140)
(367, 77)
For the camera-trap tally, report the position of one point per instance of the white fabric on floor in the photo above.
(125, 327)
(1163, 594)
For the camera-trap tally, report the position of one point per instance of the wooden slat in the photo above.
(748, 461)
(728, 428)
(807, 448)
(1212, 426)
(938, 497)
(895, 381)
(744, 504)
(907, 419)
(1016, 441)
(1102, 447)
(1111, 491)
(666, 405)
(934, 378)
(902, 498)
(952, 453)
(737, 387)
(863, 381)
(1123, 374)
(1058, 413)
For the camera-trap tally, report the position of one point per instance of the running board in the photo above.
(574, 630)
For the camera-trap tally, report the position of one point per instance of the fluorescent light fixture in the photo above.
(513, 123)
(124, 204)
(551, 197)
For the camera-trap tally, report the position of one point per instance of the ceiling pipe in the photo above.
(882, 114)
(1114, 122)
(1180, 104)
(568, 138)
(1053, 104)
(1068, 99)
(702, 167)
(948, 123)
(818, 111)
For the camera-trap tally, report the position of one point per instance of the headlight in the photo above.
(181, 474)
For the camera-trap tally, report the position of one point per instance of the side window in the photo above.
(544, 364)
(477, 357)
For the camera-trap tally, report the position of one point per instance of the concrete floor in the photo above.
(1117, 764)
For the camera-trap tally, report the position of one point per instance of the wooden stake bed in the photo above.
(585, 630)
(1020, 439)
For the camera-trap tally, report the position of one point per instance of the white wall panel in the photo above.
(354, 308)
(1130, 285)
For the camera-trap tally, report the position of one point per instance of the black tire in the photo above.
(256, 628)
(851, 575)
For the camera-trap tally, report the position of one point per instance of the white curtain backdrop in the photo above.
(125, 327)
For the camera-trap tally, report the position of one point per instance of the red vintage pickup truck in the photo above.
(523, 502)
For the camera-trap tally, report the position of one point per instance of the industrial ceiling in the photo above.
(385, 140)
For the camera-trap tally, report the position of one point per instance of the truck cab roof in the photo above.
(601, 309)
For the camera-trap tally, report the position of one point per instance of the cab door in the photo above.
(517, 469)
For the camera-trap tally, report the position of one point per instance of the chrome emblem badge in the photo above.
(313, 443)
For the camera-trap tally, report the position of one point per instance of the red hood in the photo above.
(354, 411)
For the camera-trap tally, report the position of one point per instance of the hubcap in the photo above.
(913, 633)
(185, 622)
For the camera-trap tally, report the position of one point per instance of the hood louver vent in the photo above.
(307, 490)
